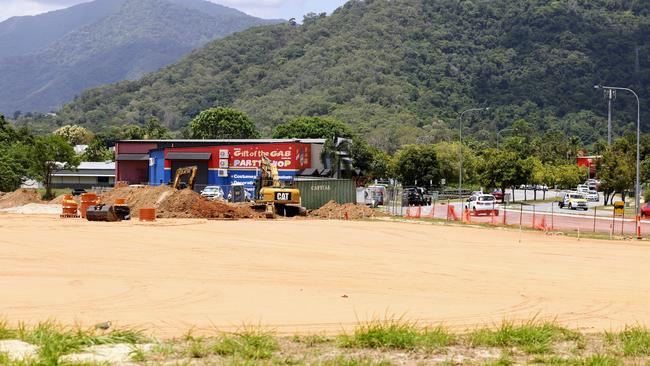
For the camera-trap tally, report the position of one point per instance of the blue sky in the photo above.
(261, 8)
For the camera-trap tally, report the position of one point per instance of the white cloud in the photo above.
(261, 8)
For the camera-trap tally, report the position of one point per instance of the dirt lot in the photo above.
(311, 275)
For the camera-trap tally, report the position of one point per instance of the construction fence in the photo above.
(526, 216)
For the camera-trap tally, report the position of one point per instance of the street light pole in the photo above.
(637, 186)
(610, 94)
(460, 148)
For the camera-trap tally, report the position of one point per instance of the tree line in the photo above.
(522, 157)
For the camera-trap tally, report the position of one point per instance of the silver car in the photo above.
(592, 196)
(212, 193)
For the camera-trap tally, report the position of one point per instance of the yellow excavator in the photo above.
(273, 196)
(190, 171)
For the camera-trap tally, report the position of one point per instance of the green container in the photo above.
(315, 193)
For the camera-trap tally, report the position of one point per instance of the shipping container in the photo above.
(315, 193)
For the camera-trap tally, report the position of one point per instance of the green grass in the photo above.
(311, 340)
(633, 341)
(353, 361)
(197, 348)
(595, 360)
(54, 340)
(531, 337)
(397, 333)
(250, 344)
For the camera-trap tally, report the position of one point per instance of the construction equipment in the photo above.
(272, 196)
(190, 171)
(102, 212)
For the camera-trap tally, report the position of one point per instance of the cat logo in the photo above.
(283, 196)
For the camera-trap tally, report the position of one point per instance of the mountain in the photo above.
(102, 42)
(402, 70)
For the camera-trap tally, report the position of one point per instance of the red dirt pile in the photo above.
(333, 210)
(19, 198)
(171, 203)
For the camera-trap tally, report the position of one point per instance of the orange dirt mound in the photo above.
(19, 197)
(333, 210)
(171, 203)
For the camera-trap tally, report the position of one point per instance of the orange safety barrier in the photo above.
(418, 212)
(451, 213)
(466, 218)
(120, 201)
(87, 200)
(542, 225)
(148, 214)
(70, 207)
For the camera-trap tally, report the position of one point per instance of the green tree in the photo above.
(448, 155)
(48, 155)
(74, 135)
(503, 169)
(313, 127)
(223, 123)
(154, 130)
(11, 171)
(618, 168)
(416, 165)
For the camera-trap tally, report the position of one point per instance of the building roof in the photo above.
(89, 169)
(106, 165)
(233, 141)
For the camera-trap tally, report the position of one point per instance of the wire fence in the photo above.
(546, 217)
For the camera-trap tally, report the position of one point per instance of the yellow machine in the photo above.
(273, 196)
(185, 171)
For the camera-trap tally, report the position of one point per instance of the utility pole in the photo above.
(610, 94)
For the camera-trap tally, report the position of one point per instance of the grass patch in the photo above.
(595, 360)
(249, 344)
(5, 331)
(531, 337)
(197, 348)
(353, 361)
(311, 340)
(633, 341)
(397, 333)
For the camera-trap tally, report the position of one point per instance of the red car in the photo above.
(645, 210)
(498, 194)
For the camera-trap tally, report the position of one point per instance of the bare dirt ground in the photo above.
(306, 276)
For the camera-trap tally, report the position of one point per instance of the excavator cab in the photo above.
(188, 171)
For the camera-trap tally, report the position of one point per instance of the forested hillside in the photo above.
(402, 70)
(102, 42)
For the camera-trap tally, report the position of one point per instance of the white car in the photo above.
(212, 193)
(583, 188)
(592, 196)
(483, 204)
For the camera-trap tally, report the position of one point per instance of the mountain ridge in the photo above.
(138, 37)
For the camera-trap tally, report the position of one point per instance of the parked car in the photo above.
(78, 191)
(593, 184)
(213, 193)
(582, 188)
(592, 196)
(415, 196)
(483, 204)
(573, 201)
(498, 194)
(645, 210)
(379, 192)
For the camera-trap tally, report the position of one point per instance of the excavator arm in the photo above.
(185, 171)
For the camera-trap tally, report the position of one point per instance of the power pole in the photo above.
(610, 95)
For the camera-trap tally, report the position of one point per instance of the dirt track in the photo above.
(291, 275)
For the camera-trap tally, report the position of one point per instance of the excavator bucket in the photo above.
(102, 213)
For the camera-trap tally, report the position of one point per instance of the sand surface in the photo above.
(292, 275)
